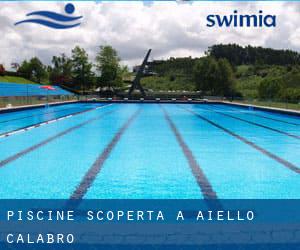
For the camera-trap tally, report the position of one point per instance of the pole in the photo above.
(47, 98)
(82, 76)
(27, 99)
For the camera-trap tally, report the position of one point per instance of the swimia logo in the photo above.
(54, 20)
(239, 20)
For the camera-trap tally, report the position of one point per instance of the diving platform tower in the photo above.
(136, 84)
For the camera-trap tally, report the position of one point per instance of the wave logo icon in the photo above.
(54, 20)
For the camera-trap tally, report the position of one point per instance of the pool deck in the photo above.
(19, 108)
(265, 108)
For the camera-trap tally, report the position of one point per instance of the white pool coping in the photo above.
(16, 108)
(263, 107)
(282, 110)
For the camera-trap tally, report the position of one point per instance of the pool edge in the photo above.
(263, 108)
(242, 105)
(34, 106)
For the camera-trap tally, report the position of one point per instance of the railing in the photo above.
(188, 96)
(14, 101)
(287, 104)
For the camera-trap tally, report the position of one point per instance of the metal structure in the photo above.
(136, 82)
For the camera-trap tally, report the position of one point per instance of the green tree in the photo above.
(2, 70)
(290, 94)
(33, 70)
(213, 76)
(238, 55)
(270, 88)
(38, 70)
(83, 76)
(108, 65)
(224, 83)
(25, 69)
(61, 71)
(205, 74)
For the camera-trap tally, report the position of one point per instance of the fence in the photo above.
(14, 94)
(287, 104)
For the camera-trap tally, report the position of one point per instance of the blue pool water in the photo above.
(17, 120)
(149, 151)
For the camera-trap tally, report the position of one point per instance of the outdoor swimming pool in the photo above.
(195, 151)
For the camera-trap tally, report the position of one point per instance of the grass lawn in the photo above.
(15, 79)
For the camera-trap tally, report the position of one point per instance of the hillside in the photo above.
(15, 79)
(165, 83)
(258, 73)
(281, 83)
(172, 74)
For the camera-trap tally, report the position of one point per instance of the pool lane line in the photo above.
(201, 179)
(95, 169)
(23, 129)
(266, 117)
(29, 127)
(256, 124)
(273, 119)
(280, 160)
(38, 114)
(50, 139)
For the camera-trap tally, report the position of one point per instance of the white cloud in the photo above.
(169, 28)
